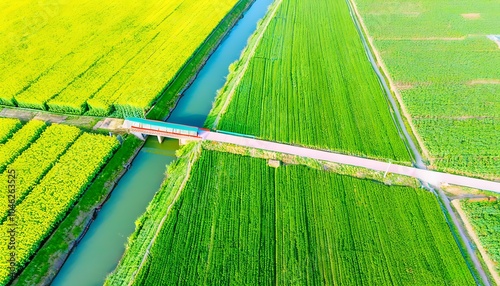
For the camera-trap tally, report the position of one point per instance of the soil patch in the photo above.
(23, 115)
(111, 124)
(404, 86)
(483, 81)
(421, 38)
(471, 16)
(50, 118)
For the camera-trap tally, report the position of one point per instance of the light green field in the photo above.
(447, 71)
(485, 218)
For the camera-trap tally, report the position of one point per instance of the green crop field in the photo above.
(447, 71)
(310, 83)
(98, 57)
(246, 223)
(46, 170)
(485, 218)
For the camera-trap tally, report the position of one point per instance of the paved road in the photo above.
(431, 177)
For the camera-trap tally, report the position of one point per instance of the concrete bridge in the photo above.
(143, 127)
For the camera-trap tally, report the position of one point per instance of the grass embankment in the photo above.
(250, 223)
(47, 261)
(170, 95)
(147, 225)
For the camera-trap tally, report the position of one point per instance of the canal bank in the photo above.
(100, 249)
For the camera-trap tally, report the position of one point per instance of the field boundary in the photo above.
(383, 68)
(197, 153)
(460, 237)
(472, 234)
(387, 178)
(258, 35)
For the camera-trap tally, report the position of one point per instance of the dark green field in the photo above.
(310, 83)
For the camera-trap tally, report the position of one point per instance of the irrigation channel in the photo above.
(100, 250)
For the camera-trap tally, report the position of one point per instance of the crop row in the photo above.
(250, 224)
(123, 62)
(310, 83)
(7, 127)
(48, 202)
(35, 162)
(19, 142)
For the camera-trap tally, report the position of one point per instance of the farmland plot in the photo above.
(485, 218)
(310, 83)
(251, 224)
(446, 69)
(75, 57)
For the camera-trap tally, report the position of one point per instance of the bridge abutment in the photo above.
(139, 135)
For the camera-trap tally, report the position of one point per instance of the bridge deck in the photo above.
(432, 177)
(163, 133)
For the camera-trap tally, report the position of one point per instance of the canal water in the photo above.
(100, 250)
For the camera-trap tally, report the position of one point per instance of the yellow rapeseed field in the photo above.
(98, 56)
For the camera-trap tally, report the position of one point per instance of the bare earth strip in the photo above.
(422, 39)
(392, 85)
(471, 16)
(489, 263)
(483, 81)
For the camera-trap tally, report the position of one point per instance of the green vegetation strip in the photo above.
(248, 223)
(310, 83)
(19, 142)
(342, 169)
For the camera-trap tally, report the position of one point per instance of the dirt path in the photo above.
(383, 67)
(240, 75)
(484, 81)
(470, 230)
(421, 38)
(27, 114)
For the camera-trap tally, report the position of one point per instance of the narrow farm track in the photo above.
(431, 177)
